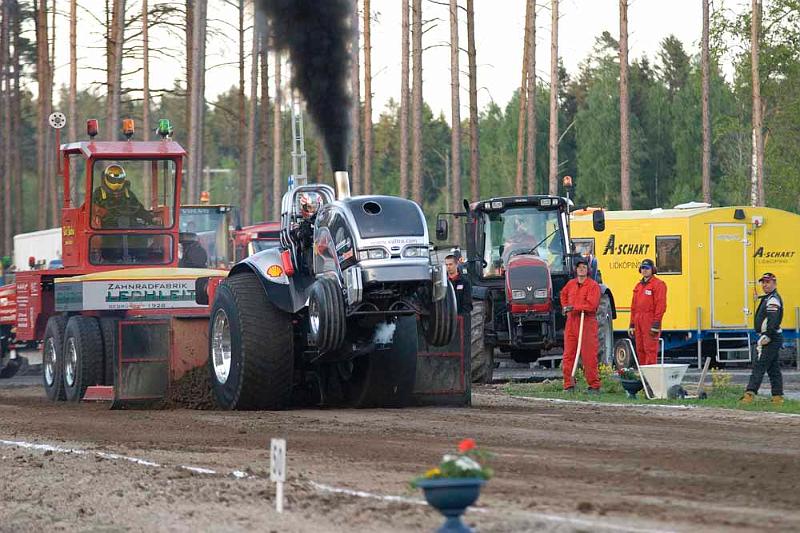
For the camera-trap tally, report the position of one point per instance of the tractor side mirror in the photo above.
(441, 229)
(599, 220)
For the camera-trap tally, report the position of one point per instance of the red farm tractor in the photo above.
(519, 257)
(119, 319)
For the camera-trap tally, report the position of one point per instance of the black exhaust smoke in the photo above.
(317, 35)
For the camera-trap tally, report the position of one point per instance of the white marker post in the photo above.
(277, 469)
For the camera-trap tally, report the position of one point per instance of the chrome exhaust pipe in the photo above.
(342, 180)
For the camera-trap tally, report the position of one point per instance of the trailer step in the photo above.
(99, 393)
(730, 349)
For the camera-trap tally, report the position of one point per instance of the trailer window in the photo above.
(136, 249)
(584, 246)
(668, 254)
(133, 194)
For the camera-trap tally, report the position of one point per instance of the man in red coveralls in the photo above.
(581, 295)
(647, 309)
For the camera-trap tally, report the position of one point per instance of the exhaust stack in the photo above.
(342, 180)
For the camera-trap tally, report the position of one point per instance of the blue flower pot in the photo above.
(451, 497)
(631, 386)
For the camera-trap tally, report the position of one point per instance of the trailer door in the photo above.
(728, 275)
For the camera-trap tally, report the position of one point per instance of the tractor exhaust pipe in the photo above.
(342, 181)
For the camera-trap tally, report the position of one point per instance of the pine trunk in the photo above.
(367, 99)
(523, 104)
(72, 118)
(455, 112)
(263, 152)
(552, 182)
(5, 124)
(16, 113)
(530, 147)
(474, 166)
(706, 75)
(114, 74)
(355, 83)
(42, 108)
(189, 101)
(247, 205)
(197, 103)
(624, 109)
(277, 145)
(146, 91)
(416, 104)
(241, 131)
(758, 133)
(404, 99)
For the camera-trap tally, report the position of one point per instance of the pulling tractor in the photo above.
(330, 315)
(519, 257)
(120, 320)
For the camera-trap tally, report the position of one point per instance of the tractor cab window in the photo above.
(133, 194)
(204, 236)
(522, 230)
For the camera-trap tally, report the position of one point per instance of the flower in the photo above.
(628, 374)
(464, 464)
(466, 445)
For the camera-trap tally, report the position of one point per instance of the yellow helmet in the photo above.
(114, 177)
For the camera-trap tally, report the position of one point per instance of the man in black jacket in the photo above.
(768, 327)
(461, 285)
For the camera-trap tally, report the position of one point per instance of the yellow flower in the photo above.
(433, 472)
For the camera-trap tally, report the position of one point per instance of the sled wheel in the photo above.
(605, 332)
(251, 359)
(83, 356)
(385, 378)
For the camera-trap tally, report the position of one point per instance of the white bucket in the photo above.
(662, 377)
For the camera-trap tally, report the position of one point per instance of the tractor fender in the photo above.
(479, 292)
(604, 289)
(287, 293)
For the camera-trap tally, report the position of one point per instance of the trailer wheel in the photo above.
(108, 328)
(385, 378)
(481, 354)
(52, 358)
(251, 355)
(440, 325)
(83, 356)
(605, 332)
(623, 357)
(326, 314)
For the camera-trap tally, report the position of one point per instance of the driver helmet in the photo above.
(114, 177)
(309, 203)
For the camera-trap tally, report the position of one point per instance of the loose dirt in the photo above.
(558, 467)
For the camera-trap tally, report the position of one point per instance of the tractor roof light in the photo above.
(497, 204)
(164, 128)
(546, 202)
(92, 128)
(127, 128)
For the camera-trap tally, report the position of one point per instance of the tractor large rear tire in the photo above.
(53, 358)
(440, 324)
(385, 378)
(83, 356)
(251, 355)
(326, 314)
(605, 332)
(481, 355)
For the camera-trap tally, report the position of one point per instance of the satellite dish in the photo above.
(57, 120)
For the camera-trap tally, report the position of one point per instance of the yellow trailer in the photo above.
(711, 259)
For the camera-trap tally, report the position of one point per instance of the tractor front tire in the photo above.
(326, 314)
(251, 354)
(440, 324)
(385, 378)
(481, 354)
(83, 356)
(53, 358)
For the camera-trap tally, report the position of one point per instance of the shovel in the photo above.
(578, 351)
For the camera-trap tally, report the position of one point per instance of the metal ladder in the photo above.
(728, 347)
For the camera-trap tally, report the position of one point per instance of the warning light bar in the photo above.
(92, 129)
(127, 128)
(164, 128)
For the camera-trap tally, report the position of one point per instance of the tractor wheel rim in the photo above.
(50, 363)
(621, 356)
(221, 346)
(71, 362)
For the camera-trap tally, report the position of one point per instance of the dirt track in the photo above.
(559, 467)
